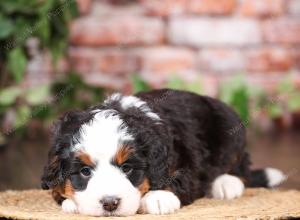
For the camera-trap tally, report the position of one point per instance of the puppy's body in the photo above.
(154, 152)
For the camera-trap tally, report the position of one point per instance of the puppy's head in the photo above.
(104, 160)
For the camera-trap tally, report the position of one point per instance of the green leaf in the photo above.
(274, 110)
(73, 10)
(37, 95)
(194, 87)
(22, 117)
(229, 87)
(139, 84)
(57, 51)
(9, 95)
(294, 102)
(27, 7)
(43, 30)
(235, 93)
(240, 102)
(2, 139)
(17, 62)
(175, 83)
(286, 86)
(6, 28)
(46, 7)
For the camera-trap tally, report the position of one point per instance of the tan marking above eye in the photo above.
(122, 154)
(85, 158)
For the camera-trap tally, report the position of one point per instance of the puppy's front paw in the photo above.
(159, 202)
(227, 187)
(69, 206)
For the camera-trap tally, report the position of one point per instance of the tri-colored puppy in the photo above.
(151, 153)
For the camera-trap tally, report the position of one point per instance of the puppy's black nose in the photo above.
(110, 203)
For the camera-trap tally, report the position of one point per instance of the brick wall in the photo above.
(211, 39)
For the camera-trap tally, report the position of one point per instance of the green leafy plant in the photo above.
(235, 93)
(138, 84)
(73, 93)
(286, 99)
(176, 82)
(46, 102)
(21, 19)
(47, 21)
(246, 99)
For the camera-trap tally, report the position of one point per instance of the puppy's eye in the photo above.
(86, 171)
(126, 168)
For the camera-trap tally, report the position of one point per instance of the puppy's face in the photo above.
(95, 161)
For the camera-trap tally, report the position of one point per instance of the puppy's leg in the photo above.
(227, 187)
(69, 206)
(159, 202)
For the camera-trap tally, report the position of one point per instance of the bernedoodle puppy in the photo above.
(150, 153)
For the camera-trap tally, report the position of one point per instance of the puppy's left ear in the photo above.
(52, 173)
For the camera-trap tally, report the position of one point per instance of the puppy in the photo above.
(150, 153)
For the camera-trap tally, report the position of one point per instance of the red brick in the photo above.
(286, 31)
(164, 8)
(296, 58)
(175, 7)
(214, 7)
(199, 32)
(82, 59)
(106, 80)
(165, 59)
(112, 61)
(106, 9)
(220, 60)
(119, 30)
(160, 63)
(262, 8)
(294, 7)
(84, 6)
(116, 62)
(269, 60)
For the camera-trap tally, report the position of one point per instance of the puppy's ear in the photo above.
(55, 171)
(53, 174)
(63, 137)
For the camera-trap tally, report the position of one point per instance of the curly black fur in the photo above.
(183, 152)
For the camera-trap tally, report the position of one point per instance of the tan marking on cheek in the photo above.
(57, 195)
(63, 191)
(122, 155)
(68, 189)
(144, 187)
(85, 158)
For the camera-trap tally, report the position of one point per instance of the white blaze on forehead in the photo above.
(101, 137)
(132, 101)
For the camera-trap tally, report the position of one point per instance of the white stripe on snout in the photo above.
(100, 139)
